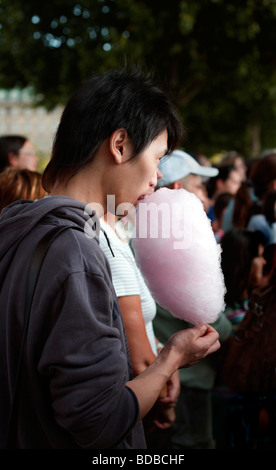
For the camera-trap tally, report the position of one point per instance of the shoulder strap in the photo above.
(34, 270)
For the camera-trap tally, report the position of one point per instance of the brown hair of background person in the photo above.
(18, 184)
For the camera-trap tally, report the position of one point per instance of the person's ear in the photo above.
(119, 145)
(177, 185)
(13, 159)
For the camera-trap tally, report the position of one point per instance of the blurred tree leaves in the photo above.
(217, 59)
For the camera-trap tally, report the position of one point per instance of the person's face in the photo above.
(193, 184)
(26, 158)
(241, 168)
(233, 182)
(139, 177)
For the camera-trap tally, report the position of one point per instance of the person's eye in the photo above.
(163, 158)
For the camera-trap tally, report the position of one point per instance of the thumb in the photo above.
(200, 329)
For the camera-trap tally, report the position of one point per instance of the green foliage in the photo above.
(215, 58)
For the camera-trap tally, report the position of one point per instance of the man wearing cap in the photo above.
(192, 428)
(183, 171)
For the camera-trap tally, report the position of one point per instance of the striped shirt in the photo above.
(127, 278)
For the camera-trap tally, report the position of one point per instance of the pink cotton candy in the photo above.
(178, 255)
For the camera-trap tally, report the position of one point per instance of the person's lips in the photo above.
(142, 197)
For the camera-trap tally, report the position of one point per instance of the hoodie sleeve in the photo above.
(85, 359)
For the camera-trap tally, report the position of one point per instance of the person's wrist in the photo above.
(170, 359)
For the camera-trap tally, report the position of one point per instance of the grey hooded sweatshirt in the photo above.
(72, 392)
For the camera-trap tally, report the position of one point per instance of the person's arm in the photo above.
(183, 349)
(84, 358)
(140, 350)
(163, 413)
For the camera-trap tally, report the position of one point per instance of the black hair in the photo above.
(269, 204)
(239, 248)
(244, 205)
(10, 144)
(123, 98)
(223, 174)
(221, 202)
(270, 257)
(262, 174)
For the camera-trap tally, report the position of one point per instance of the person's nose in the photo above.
(153, 181)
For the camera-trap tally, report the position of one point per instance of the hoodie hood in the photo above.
(20, 217)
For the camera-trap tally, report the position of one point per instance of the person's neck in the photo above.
(111, 219)
(84, 188)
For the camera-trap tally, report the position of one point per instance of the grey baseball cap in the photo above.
(180, 164)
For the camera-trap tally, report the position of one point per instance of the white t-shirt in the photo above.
(127, 278)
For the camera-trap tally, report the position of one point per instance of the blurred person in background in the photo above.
(228, 180)
(250, 207)
(18, 152)
(181, 171)
(236, 160)
(246, 419)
